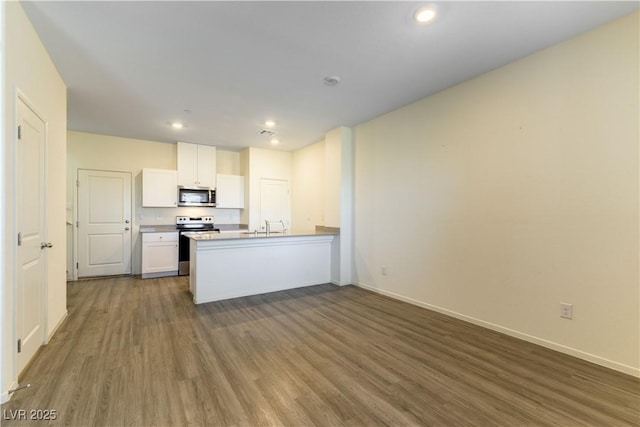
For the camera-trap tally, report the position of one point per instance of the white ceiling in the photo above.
(134, 67)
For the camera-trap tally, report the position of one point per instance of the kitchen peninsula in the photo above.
(230, 265)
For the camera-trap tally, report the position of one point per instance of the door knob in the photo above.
(44, 245)
(126, 229)
(126, 221)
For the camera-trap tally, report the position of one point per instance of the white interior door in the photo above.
(274, 202)
(31, 191)
(104, 223)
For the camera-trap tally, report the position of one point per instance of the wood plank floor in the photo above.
(139, 352)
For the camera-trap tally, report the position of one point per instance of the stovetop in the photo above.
(194, 223)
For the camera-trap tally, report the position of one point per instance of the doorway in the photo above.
(274, 201)
(104, 223)
(32, 242)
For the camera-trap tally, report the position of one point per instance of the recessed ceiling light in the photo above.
(274, 141)
(269, 123)
(331, 80)
(425, 15)
(177, 125)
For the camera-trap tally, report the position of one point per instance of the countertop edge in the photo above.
(210, 237)
(157, 228)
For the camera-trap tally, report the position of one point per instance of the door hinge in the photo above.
(77, 183)
(19, 132)
(77, 265)
(77, 224)
(19, 345)
(20, 239)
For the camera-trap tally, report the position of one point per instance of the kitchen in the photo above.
(318, 202)
(491, 201)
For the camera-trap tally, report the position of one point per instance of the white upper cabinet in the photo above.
(230, 192)
(207, 165)
(196, 165)
(159, 188)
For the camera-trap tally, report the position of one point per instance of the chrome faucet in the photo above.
(267, 224)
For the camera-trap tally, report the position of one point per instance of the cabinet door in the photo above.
(159, 253)
(159, 188)
(230, 191)
(160, 257)
(187, 164)
(196, 165)
(206, 165)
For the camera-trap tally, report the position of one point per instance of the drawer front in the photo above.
(160, 237)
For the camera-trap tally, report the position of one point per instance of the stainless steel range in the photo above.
(186, 224)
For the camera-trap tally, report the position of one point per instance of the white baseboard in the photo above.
(55, 329)
(5, 396)
(339, 283)
(630, 370)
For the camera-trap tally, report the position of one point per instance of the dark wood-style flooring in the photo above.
(139, 352)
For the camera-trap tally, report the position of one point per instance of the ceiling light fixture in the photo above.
(425, 15)
(331, 80)
(177, 125)
(274, 141)
(269, 123)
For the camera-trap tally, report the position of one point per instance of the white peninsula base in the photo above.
(230, 268)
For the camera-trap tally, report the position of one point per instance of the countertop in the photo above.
(234, 236)
(157, 228)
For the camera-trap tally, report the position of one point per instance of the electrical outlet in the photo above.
(566, 310)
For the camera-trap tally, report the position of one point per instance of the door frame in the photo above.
(74, 275)
(263, 180)
(44, 306)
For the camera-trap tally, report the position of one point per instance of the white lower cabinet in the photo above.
(159, 254)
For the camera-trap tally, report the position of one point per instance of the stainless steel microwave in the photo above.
(196, 196)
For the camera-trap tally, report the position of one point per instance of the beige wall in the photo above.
(228, 162)
(502, 197)
(261, 164)
(333, 177)
(322, 194)
(103, 152)
(307, 188)
(322, 180)
(29, 70)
